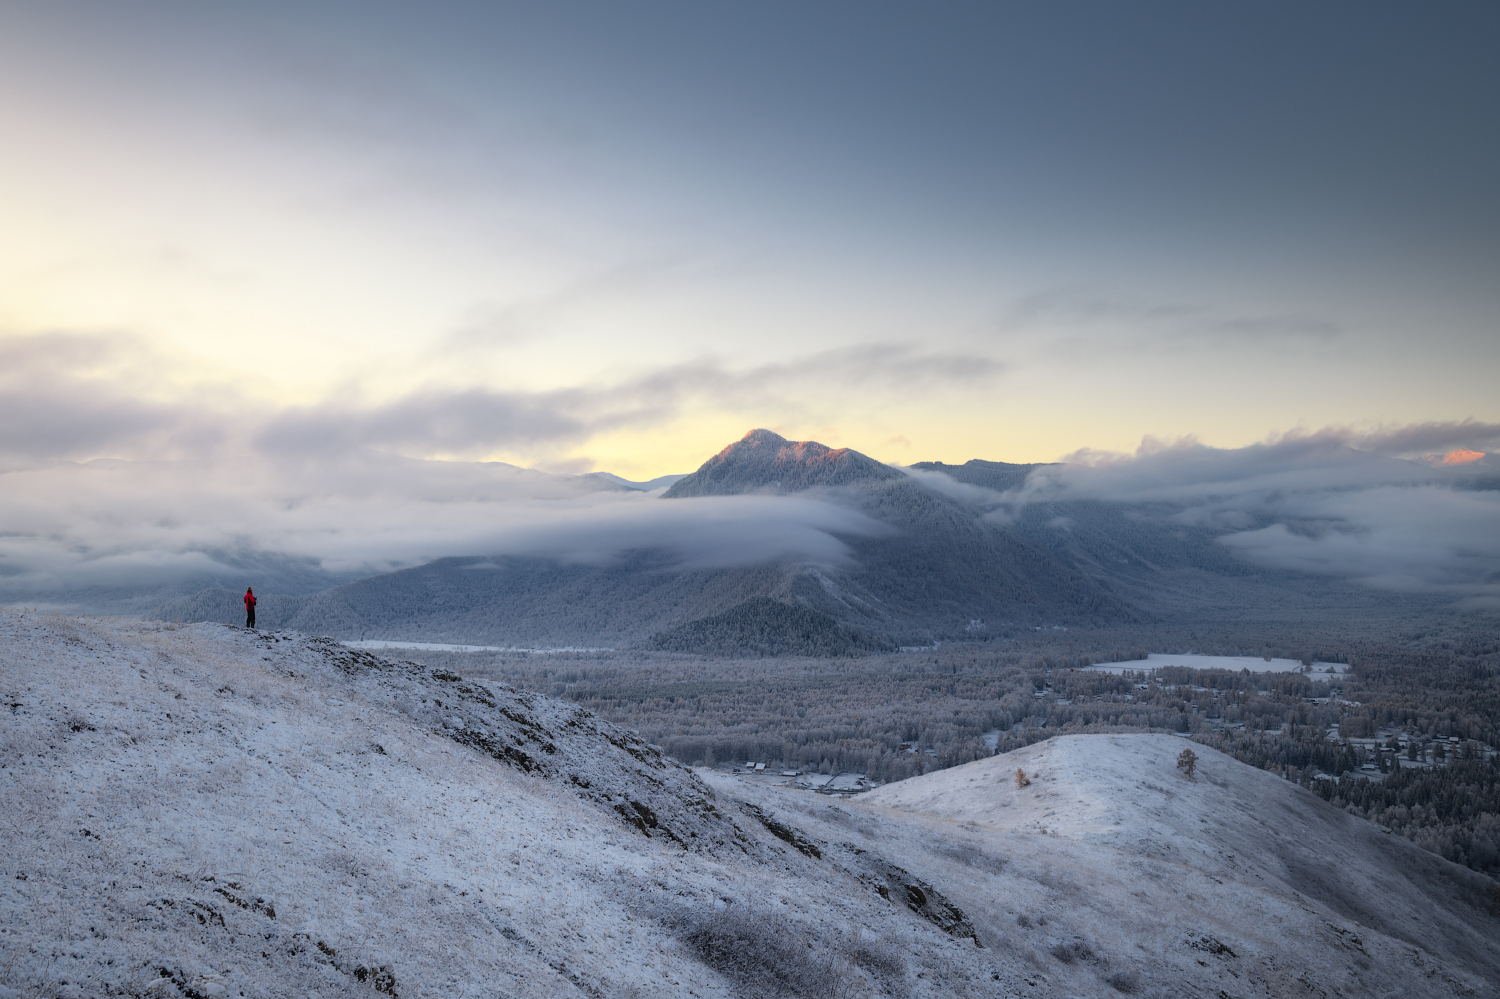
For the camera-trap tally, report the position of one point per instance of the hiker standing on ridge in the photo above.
(249, 608)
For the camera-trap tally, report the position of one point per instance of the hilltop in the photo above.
(999, 476)
(1118, 800)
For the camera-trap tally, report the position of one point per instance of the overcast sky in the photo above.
(615, 236)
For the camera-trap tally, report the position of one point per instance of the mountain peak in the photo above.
(1460, 457)
(760, 437)
(763, 460)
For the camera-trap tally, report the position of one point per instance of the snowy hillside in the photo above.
(270, 815)
(1133, 852)
(207, 811)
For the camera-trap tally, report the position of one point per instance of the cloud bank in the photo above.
(1330, 502)
(138, 525)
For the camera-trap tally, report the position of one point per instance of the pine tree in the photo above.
(1187, 762)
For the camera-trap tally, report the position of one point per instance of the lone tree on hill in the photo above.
(1021, 779)
(1187, 762)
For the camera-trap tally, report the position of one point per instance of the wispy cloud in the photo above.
(470, 421)
(64, 395)
(429, 422)
(1408, 439)
(86, 396)
(492, 327)
(1081, 308)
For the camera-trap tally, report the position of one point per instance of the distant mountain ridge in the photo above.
(948, 568)
(644, 486)
(941, 570)
(1000, 476)
(766, 461)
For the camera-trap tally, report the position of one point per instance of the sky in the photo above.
(289, 278)
(590, 236)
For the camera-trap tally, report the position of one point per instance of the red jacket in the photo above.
(249, 600)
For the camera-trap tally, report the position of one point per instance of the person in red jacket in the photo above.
(249, 608)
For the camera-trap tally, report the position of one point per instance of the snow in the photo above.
(1238, 854)
(1255, 664)
(253, 814)
(275, 815)
(380, 645)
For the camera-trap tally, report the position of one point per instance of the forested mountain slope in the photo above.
(942, 570)
(936, 569)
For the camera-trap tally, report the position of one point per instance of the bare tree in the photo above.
(1021, 779)
(1187, 762)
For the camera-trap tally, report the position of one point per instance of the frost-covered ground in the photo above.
(208, 811)
(381, 645)
(1255, 664)
(272, 815)
(1234, 879)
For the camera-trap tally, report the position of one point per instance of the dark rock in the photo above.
(900, 886)
(789, 834)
